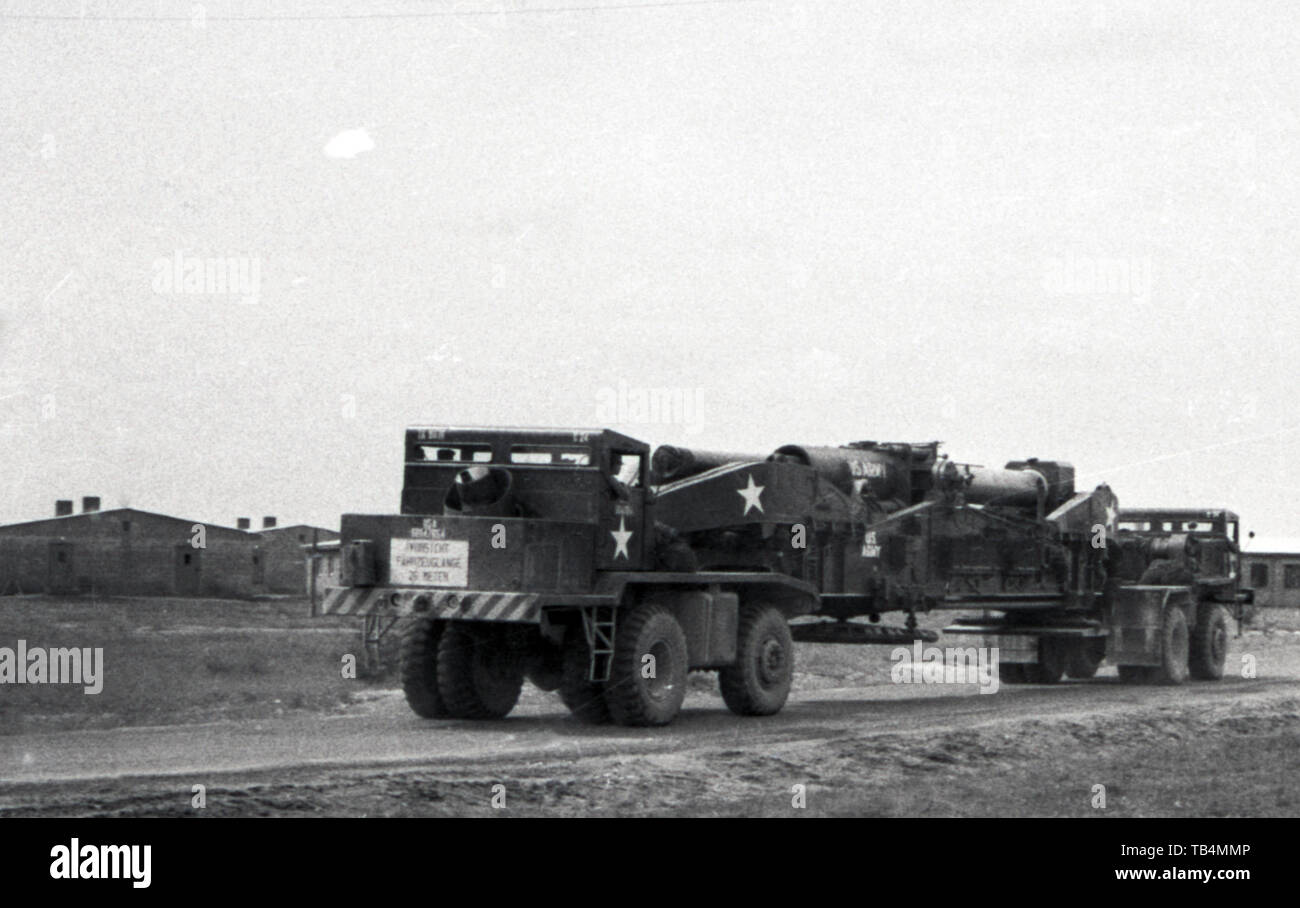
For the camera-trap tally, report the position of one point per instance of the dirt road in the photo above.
(1203, 749)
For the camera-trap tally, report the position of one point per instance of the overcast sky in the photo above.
(1066, 231)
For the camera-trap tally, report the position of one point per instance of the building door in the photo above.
(63, 568)
(187, 570)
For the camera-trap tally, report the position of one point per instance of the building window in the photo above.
(1259, 575)
(302, 537)
(1291, 576)
(126, 526)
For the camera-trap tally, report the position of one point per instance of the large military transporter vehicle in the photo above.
(568, 558)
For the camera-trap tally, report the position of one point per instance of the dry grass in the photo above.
(169, 661)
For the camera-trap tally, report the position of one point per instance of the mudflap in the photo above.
(1137, 614)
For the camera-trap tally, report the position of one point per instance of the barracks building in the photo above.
(1272, 568)
(130, 552)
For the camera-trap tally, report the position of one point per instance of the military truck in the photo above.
(533, 553)
(570, 558)
(1198, 548)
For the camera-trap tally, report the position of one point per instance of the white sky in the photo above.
(812, 222)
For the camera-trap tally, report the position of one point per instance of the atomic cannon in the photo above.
(573, 559)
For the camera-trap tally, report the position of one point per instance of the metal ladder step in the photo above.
(598, 625)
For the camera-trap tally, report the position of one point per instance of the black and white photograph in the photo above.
(735, 409)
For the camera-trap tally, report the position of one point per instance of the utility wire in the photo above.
(340, 17)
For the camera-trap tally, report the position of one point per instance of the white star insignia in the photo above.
(621, 537)
(1112, 514)
(751, 495)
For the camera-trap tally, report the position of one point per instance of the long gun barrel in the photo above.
(671, 463)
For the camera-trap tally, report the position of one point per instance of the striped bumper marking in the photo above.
(353, 600)
(487, 606)
(479, 606)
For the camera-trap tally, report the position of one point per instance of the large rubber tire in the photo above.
(647, 629)
(1083, 657)
(585, 699)
(478, 677)
(1174, 648)
(419, 668)
(759, 681)
(1209, 644)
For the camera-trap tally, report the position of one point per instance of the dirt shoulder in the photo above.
(1222, 759)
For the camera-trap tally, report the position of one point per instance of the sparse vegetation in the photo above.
(175, 661)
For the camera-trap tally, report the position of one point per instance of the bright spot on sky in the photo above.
(349, 143)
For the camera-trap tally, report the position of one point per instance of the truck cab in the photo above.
(1205, 540)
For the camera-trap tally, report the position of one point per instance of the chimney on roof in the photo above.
(268, 523)
(245, 523)
(90, 504)
(63, 507)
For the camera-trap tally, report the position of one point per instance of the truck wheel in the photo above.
(419, 668)
(478, 676)
(1174, 646)
(585, 699)
(633, 698)
(1136, 674)
(1209, 646)
(1084, 657)
(759, 681)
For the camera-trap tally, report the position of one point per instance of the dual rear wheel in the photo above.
(455, 670)
(1199, 653)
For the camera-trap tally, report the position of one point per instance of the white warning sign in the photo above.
(429, 562)
(870, 547)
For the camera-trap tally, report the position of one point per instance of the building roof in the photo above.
(271, 531)
(53, 523)
(1271, 545)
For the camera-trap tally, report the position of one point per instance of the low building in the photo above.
(287, 560)
(128, 552)
(1271, 567)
